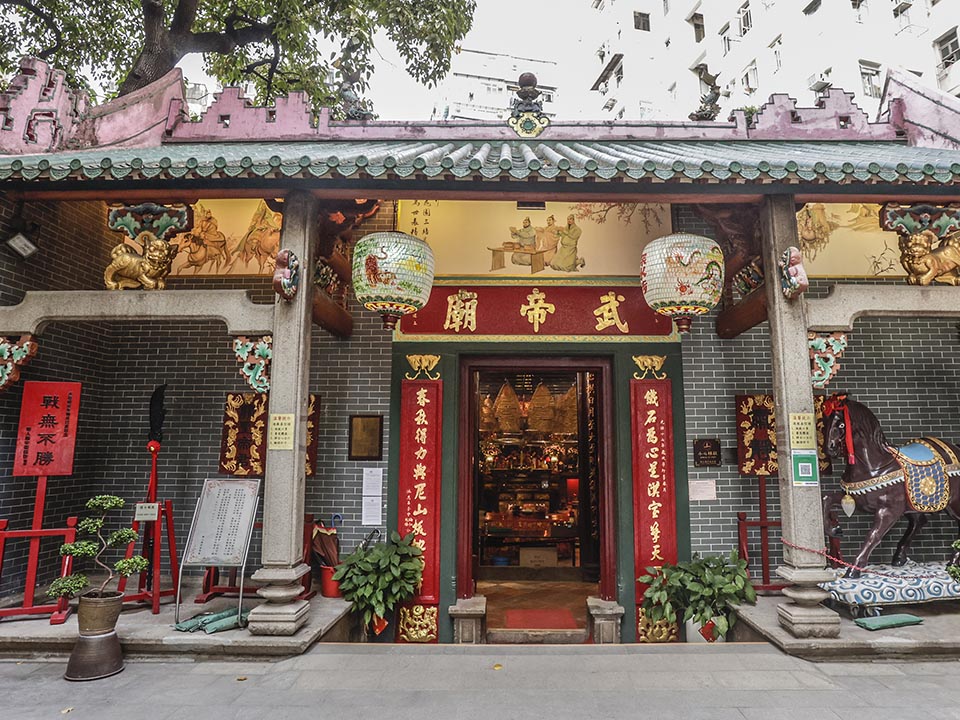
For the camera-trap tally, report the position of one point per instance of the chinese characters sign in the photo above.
(757, 435)
(541, 310)
(419, 484)
(48, 429)
(654, 496)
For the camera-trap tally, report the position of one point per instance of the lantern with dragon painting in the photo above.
(681, 276)
(392, 274)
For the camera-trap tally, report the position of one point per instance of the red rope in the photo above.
(855, 567)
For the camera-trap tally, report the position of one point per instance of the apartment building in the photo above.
(653, 59)
(481, 84)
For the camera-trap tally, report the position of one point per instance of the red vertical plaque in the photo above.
(654, 485)
(47, 435)
(419, 482)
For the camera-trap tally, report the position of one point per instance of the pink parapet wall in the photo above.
(39, 113)
(928, 117)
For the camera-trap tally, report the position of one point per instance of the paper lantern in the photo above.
(392, 274)
(681, 275)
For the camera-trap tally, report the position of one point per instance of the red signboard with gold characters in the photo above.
(543, 310)
(654, 485)
(48, 429)
(419, 500)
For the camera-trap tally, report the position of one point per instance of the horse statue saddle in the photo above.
(926, 465)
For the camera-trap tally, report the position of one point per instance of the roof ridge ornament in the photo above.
(526, 111)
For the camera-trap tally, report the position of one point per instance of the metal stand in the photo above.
(59, 610)
(210, 587)
(149, 582)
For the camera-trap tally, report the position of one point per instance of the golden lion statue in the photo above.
(925, 264)
(132, 270)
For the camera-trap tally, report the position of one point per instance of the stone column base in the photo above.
(282, 613)
(604, 618)
(469, 620)
(803, 616)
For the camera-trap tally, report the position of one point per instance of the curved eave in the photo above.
(622, 163)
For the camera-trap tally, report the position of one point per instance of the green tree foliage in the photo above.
(277, 45)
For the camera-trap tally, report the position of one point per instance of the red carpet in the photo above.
(540, 619)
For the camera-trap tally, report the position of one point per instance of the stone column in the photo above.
(284, 481)
(801, 513)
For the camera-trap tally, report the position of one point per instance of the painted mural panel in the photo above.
(561, 239)
(229, 237)
(845, 240)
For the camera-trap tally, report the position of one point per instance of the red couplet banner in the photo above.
(47, 435)
(654, 484)
(419, 483)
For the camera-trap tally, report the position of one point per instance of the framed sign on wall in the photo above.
(366, 437)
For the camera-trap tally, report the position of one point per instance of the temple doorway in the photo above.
(535, 436)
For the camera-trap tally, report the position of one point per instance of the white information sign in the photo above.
(222, 523)
(372, 513)
(702, 489)
(373, 481)
(146, 512)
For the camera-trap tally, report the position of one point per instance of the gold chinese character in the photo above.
(655, 532)
(422, 398)
(651, 397)
(420, 436)
(416, 527)
(422, 544)
(653, 489)
(652, 436)
(654, 508)
(536, 311)
(654, 452)
(651, 417)
(654, 469)
(421, 417)
(419, 471)
(461, 311)
(421, 453)
(421, 510)
(655, 553)
(419, 491)
(608, 313)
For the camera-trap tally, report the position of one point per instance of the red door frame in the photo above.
(603, 367)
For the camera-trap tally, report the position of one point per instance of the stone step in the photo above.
(511, 636)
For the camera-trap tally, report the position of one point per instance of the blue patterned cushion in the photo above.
(910, 584)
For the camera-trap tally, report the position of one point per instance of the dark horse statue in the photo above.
(916, 480)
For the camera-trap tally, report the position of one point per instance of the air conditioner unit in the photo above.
(818, 82)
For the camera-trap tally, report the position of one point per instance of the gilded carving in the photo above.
(651, 364)
(418, 624)
(655, 632)
(924, 263)
(147, 269)
(423, 364)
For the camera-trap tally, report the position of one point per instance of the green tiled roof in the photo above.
(842, 163)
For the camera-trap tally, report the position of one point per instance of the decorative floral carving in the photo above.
(651, 364)
(418, 624)
(825, 351)
(14, 355)
(255, 354)
(655, 632)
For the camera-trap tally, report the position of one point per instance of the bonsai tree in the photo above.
(95, 547)
(702, 589)
(378, 578)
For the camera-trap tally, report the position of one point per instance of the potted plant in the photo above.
(379, 578)
(97, 652)
(700, 591)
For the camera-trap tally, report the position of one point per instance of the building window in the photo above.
(745, 19)
(870, 78)
(812, 7)
(861, 8)
(641, 21)
(949, 48)
(749, 79)
(610, 104)
(618, 74)
(699, 31)
(775, 48)
(725, 38)
(672, 91)
(666, 6)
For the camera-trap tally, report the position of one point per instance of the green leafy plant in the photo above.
(953, 570)
(95, 525)
(700, 589)
(378, 578)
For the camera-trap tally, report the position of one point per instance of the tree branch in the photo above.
(184, 16)
(153, 27)
(47, 19)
